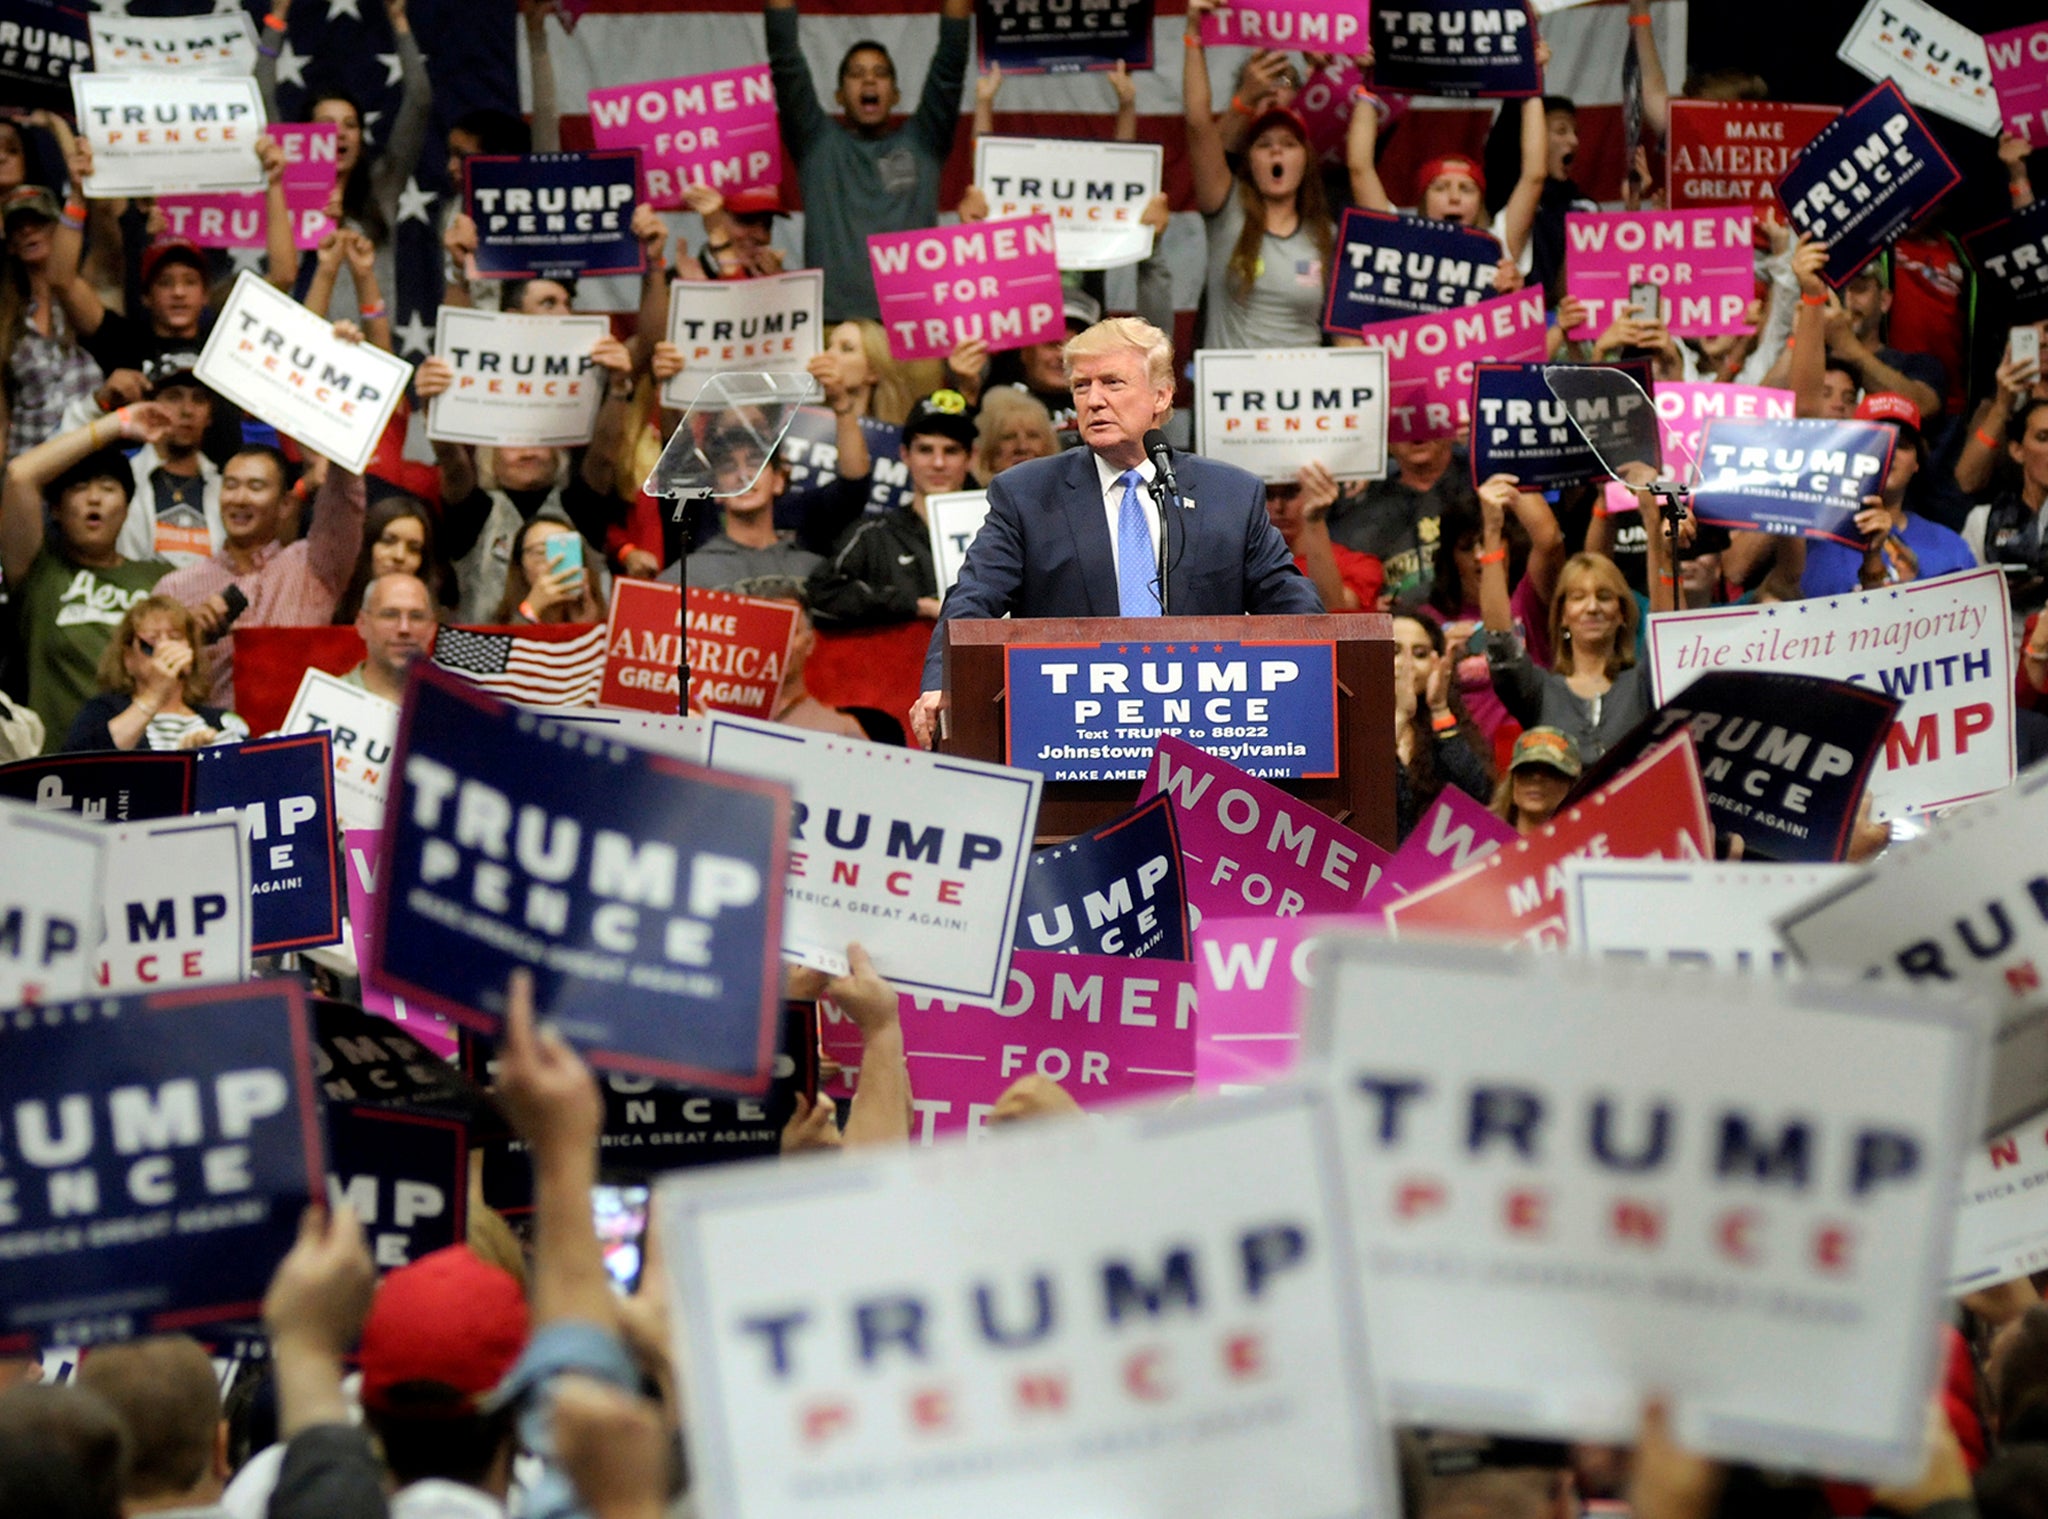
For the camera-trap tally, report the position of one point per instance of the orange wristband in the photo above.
(1498, 556)
(1191, 39)
(1987, 440)
(1639, 21)
(1812, 300)
(275, 23)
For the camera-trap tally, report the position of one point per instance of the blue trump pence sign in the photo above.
(157, 1151)
(1094, 712)
(644, 894)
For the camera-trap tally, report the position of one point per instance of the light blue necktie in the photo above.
(1137, 566)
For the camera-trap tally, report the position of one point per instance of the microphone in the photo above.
(1162, 460)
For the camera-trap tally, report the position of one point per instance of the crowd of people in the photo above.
(145, 519)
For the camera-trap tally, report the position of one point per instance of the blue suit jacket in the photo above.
(1044, 549)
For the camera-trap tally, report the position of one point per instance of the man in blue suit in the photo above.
(1077, 535)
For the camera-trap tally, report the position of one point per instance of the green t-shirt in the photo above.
(68, 612)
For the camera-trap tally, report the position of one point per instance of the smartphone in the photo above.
(620, 1213)
(564, 551)
(2024, 343)
(1646, 300)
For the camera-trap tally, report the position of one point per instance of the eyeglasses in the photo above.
(148, 649)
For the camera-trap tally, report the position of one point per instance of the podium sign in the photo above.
(1095, 711)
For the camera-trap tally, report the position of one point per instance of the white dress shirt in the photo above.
(1113, 508)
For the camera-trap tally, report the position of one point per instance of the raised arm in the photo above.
(1808, 345)
(1496, 607)
(1518, 216)
(552, 1102)
(2012, 152)
(987, 85)
(1126, 89)
(540, 66)
(1656, 93)
(1361, 154)
(938, 104)
(336, 541)
(401, 151)
(881, 1103)
(614, 415)
(21, 498)
(1205, 143)
(802, 119)
(1546, 541)
(281, 250)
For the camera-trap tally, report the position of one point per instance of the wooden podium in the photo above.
(1361, 795)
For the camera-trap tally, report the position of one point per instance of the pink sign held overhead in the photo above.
(1252, 976)
(2019, 73)
(710, 129)
(944, 286)
(239, 219)
(1249, 848)
(1342, 27)
(361, 845)
(1106, 1028)
(1702, 263)
(1430, 359)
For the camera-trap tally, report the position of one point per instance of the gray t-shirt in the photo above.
(722, 562)
(1284, 306)
(854, 185)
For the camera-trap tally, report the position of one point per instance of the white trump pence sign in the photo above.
(953, 519)
(1094, 192)
(920, 857)
(224, 43)
(520, 381)
(1964, 907)
(1149, 1315)
(276, 360)
(1579, 1183)
(774, 325)
(1691, 913)
(364, 729)
(178, 909)
(50, 896)
(1272, 412)
(169, 134)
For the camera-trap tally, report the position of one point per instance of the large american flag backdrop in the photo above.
(476, 51)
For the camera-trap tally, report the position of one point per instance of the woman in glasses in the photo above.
(151, 685)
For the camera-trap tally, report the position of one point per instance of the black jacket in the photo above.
(876, 572)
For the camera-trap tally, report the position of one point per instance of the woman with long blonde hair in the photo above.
(1595, 691)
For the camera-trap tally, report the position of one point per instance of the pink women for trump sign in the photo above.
(996, 282)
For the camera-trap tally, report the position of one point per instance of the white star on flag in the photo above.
(291, 65)
(413, 335)
(337, 8)
(250, 259)
(414, 203)
(393, 69)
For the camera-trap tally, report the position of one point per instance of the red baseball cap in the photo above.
(761, 200)
(1887, 406)
(449, 1318)
(1448, 163)
(175, 249)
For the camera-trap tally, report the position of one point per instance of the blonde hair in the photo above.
(1002, 409)
(1112, 335)
(1604, 572)
(898, 383)
(113, 670)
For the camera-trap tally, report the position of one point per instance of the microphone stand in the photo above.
(1161, 496)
